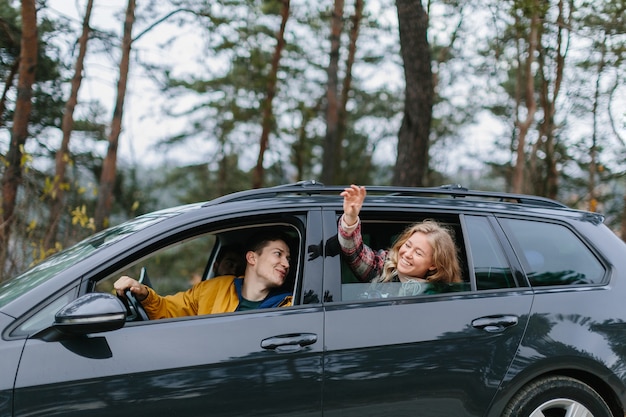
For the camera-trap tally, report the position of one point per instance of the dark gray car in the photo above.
(536, 329)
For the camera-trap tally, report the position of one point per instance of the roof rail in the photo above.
(451, 190)
(301, 187)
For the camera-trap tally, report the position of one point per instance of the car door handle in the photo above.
(495, 324)
(289, 342)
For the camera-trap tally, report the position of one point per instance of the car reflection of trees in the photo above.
(258, 378)
(380, 374)
(614, 332)
(375, 373)
(541, 344)
(214, 389)
(557, 278)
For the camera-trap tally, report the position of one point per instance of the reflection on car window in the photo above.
(490, 265)
(552, 254)
(44, 317)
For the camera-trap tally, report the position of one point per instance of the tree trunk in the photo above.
(19, 133)
(342, 117)
(523, 126)
(413, 137)
(331, 158)
(109, 166)
(268, 116)
(553, 173)
(543, 174)
(623, 225)
(593, 152)
(63, 154)
(302, 148)
(8, 83)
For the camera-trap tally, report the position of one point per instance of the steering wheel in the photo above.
(135, 309)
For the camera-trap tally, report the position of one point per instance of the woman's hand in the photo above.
(353, 198)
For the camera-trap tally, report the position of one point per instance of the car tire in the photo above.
(557, 396)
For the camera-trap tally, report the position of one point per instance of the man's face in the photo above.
(230, 264)
(271, 266)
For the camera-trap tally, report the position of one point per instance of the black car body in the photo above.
(538, 326)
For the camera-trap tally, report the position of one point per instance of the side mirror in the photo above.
(92, 313)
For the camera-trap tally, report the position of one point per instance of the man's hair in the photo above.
(259, 240)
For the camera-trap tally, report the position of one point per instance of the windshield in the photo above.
(45, 270)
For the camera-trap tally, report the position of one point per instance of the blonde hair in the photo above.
(445, 255)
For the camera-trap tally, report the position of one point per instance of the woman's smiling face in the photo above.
(415, 257)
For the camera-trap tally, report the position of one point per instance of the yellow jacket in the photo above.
(215, 295)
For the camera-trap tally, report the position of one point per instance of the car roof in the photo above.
(452, 196)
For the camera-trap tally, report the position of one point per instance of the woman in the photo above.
(424, 253)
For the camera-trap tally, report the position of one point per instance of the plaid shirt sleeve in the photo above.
(363, 260)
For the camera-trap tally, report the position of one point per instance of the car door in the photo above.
(426, 355)
(264, 362)
(189, 367)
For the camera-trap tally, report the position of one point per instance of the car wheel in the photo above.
(557, 396)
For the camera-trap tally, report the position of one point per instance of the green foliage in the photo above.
(47, 99)
(9, 35)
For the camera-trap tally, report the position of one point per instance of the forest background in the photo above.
(117, 108)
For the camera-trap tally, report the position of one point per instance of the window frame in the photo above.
(504, 244)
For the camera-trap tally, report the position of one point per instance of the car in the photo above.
(536, 328)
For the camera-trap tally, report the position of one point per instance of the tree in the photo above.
(551, 72)
(108, 176)
(603, 23)
(332, 144)
(347, 80)
(63, 155)
(413, 137)
(526, 105)
(267, 121)
(354, 148)
(9, 51)
(19, 132)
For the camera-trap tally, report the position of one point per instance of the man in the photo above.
(267, 266)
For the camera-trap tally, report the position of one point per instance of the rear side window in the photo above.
(491, 267)
(551, 254)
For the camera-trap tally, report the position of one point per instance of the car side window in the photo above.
(171, 269)
(380, 235)
(551, 254)
(491, 267)
(44, 317)
(178, 266)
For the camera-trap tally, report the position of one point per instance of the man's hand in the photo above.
(127, 283)
(353, 198)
